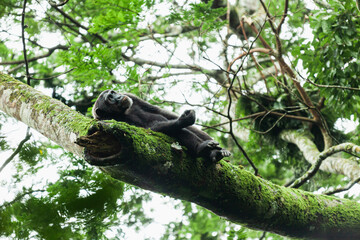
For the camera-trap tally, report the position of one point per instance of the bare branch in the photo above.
(51, 50)
(55, 76)
(59, 4)
(229, 91)
(283, 17)
(24, 44)
(342, 189)
(263, 113)
(17, 150)
(332, 164)
(272, 25)
(244, 54)
(141, 62)
(332, 86)
(67, 16)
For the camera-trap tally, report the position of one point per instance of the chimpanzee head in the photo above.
(110, 105)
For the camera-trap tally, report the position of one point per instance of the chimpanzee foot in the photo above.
(211, 144)
(187, 118)
(218, 154)
(206, 146)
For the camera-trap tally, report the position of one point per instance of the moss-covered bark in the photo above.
(49, 116)
(153, 161)
(149, 161)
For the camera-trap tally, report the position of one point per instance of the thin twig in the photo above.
(332, 86)
(17, 150)
(276, 122)
(259, 114)
(59, 4)
(20, 196)
(342, 189)
(24, 44)
(229, 107)
(55, 76)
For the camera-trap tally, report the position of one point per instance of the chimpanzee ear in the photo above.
(99, 114)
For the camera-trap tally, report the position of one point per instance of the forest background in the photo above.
(275, 82)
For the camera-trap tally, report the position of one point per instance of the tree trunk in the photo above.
(153, 161)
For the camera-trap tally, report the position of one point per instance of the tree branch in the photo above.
(345, 147)
(17, 150)
(67, 16)
(50, 51)
(332, 86)
(154, 162)
(48, 116)
(23, 42)
(59, 4)
(336, 165)
(147, 158)
(20, 196)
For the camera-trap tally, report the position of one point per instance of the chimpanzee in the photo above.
(135, 111)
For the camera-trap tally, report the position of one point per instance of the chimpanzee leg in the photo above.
(197, 147)
(188, 139)
(171, 126)
(198, 143)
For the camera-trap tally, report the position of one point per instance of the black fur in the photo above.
(135, 111)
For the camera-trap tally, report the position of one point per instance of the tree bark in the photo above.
(48, 116)
(153, 161)
(332, 164)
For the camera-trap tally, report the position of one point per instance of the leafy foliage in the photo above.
(176, 54)
(335, 49)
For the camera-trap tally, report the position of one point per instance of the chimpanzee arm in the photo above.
(147, 107)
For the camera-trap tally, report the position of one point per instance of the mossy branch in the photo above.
(153, 161)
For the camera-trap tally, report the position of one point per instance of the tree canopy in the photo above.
(275, 82)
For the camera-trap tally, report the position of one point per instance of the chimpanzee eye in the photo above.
(110, 98)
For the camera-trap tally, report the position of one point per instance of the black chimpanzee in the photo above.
(135, 111)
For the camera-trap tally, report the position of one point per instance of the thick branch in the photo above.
(49, 116)
(149, 160)
(153, 161)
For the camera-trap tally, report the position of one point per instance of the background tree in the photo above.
(272, 81)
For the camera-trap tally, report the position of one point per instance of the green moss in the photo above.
(59, 112)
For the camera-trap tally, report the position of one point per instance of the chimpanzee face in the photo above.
(111, 103)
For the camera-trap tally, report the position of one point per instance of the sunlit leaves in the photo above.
(80, 193)
(335, 48)
(115, 15)
(200, 15)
